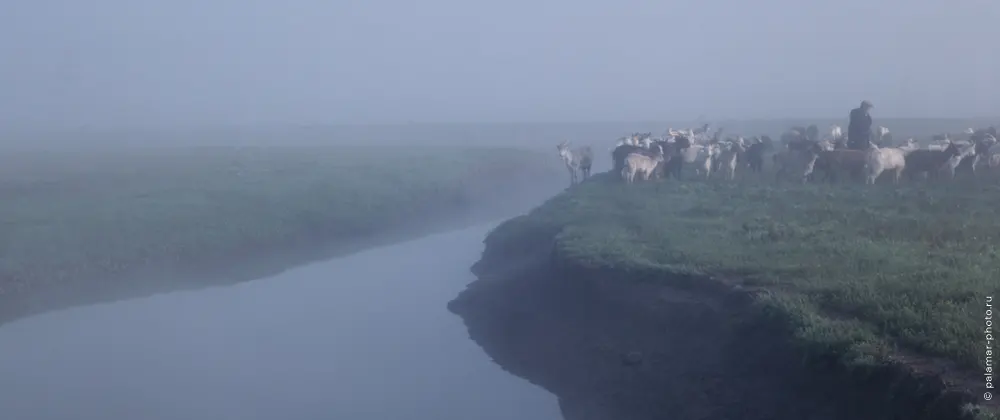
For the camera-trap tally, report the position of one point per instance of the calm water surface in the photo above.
(366, 336)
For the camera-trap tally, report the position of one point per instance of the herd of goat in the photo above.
(799, 155)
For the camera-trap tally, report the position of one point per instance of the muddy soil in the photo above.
(633, 351)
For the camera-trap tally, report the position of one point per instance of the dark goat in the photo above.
(794, 136)
(928, 161)
(983, 143)
(800, 144)
(812, 133)
(831, 163)
(673, 161)
(755, 155)
(621, 152)
(980, 134)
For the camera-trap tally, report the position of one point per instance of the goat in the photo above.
(890, 158)
(796, 140)
(836, 133)
(798, 164)
(577, 161)
(674, 157)
(882, 136)
(983, 133)
(939, 142)
(829, 145)
(755, 155)
(636, 163)
(812, 132)
(693, 154)
(622, 141)
(832, 162)
(706, 157)
(928, 161)
(621, 152)
(728, 158)
(793, 136)
(983, 144)
(993, 154)
(953, 161)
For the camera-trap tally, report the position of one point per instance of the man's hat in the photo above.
(867, 104)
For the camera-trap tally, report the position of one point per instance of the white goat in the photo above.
(887, 159)
(691, 154)
(882, 132)
(827, 145)
(728, 158)
(577, 161)
(704, 159)
(636, 163)
(993, 155)
(940, 143)
(629, 140)
(836, 133)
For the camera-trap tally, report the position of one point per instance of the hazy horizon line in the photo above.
(196, 126)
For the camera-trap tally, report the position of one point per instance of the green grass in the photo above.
(71, 217)
(861, 272)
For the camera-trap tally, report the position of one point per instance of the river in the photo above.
(367, 336)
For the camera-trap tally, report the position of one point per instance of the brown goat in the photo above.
(834, 162)
(929, 161)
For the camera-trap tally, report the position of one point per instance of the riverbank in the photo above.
(82, 228)
(704, 300)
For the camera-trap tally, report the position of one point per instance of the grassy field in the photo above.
(73, 217)
(863, 273)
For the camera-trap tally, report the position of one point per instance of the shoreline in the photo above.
(254, 262)
(618, 344)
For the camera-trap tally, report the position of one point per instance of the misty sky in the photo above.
(170, 62)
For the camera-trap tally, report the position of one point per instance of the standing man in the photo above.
(859, 132)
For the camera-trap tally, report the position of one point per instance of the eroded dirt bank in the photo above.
(610, 348)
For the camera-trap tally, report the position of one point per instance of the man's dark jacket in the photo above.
(859, 132)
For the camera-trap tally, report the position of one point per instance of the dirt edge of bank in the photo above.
(618, 345)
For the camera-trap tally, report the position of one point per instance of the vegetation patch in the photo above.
(67, 218)
(859, 273)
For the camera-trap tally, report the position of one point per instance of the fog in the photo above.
(117, 63)
(369, 336)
